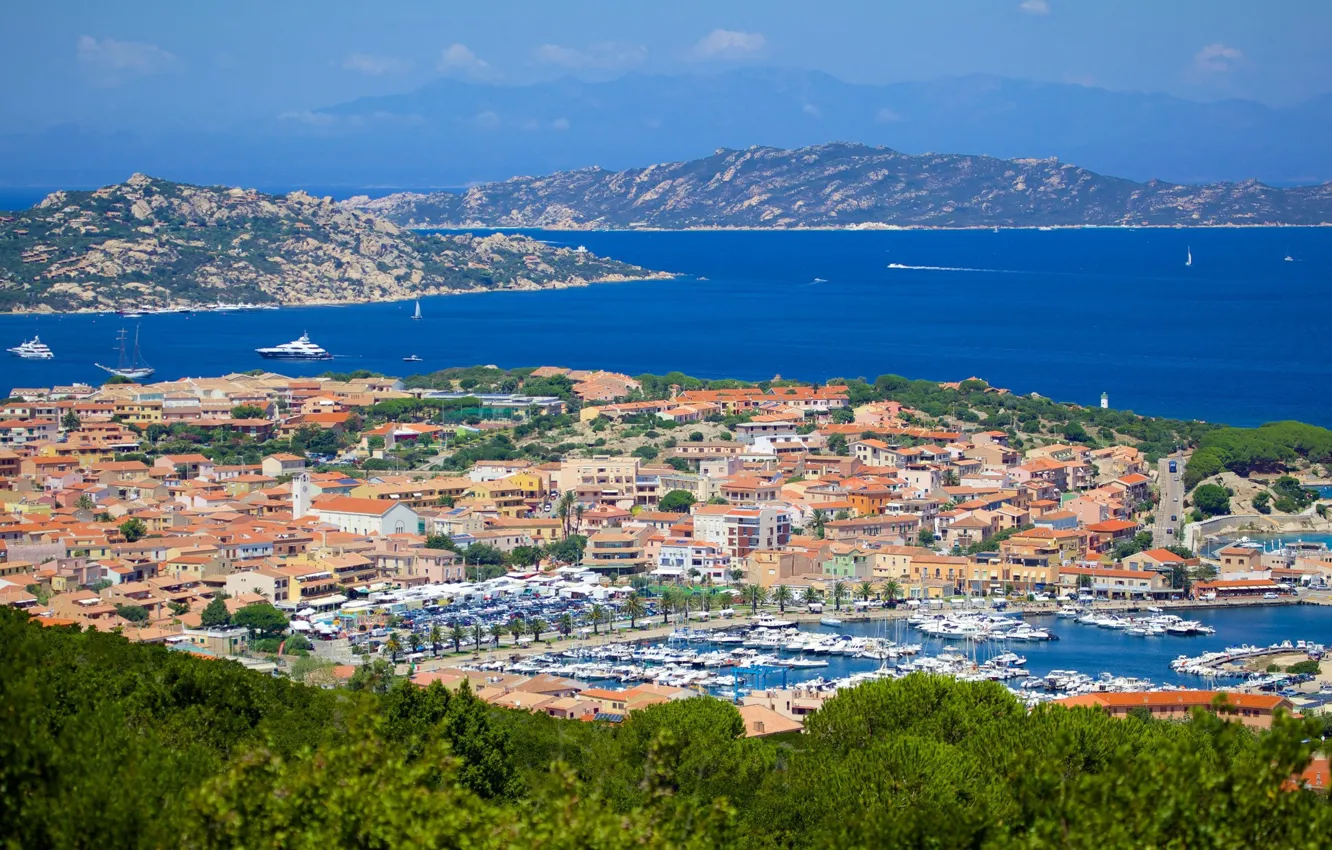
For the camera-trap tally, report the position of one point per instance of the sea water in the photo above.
(1238, 337)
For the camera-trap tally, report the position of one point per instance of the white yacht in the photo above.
(33, 349)
(299, 349)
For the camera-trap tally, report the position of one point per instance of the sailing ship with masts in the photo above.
(133, 367)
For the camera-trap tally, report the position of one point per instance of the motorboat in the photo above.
(830, 621)
(131, 367)
(298, 349)
(411, 358)
(33, 349)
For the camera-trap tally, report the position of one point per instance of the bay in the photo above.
(1241, 336)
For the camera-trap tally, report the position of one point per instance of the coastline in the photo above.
(852, 228)
(578, 283)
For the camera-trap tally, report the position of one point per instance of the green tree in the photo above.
(925, 537)
(677, 502)
(261, 618)
(496, 632)
(247, 411)
(478, 635)
(457, 634)
(393, 646)
(441, 541)
(134, 613)
(70, 421)
(811, 596)
(837, 445)
(755, 595)
(215, 614)
(597, 615)
(133, 529)
(1262, 502)
(865, 591)
(892, 591)
(436, 635)
(839, 593)
(526, 556)
(634, 608)
(782, 595)
(536, 626)
(517, 628)
(566, 624)
(1212, 500)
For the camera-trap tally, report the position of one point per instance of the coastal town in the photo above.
(505, 534)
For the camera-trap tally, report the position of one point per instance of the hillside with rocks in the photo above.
(153, 243)
(848, 185)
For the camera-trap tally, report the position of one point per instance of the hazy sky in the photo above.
(153, 62)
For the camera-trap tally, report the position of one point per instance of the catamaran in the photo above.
(417, 314)
(300, 349)
(133, 368)
(33, 349)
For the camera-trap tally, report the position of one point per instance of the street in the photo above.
(1172, 502)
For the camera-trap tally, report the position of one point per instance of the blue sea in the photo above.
(1094, 650)
(1241, 336)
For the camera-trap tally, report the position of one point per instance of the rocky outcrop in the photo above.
(150, 242)
(846, 185)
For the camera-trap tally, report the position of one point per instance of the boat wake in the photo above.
(945, 269)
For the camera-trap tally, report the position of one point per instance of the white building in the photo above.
(366, 516)
(679, 555)
(741, 530)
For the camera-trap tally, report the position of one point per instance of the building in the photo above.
(366, 516)
(1255, 710)
(617, 551)
(741, 530)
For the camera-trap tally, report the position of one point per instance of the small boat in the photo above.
(1189, 253)
(131, 368)
(417, 315)
(33, 349)
(131, 314)
(830, 621)
(299, 349)
(411, 358)
(1289, 258)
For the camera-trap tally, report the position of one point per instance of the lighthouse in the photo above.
(1105, 401)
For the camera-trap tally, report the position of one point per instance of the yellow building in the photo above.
(510, 499)
(416, 494)
(139, 412)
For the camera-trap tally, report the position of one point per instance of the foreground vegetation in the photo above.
(110, 744)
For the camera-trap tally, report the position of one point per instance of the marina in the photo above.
(1083, 656)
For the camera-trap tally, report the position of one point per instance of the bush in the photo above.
(1304, 668)
(1212, 500)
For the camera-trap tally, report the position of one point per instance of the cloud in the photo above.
(887, 116)
(1035, 7)
(486, 120)
(811, 109)
(365, 63)
(560, 124)
(729, 44)
(116, 59)
(604, 54)
(459, 57)
(1216, 57)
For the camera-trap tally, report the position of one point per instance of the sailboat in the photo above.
(132, 368)
(417, 314)
(1189, 261)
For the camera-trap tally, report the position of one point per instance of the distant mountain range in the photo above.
(454, 133)
(849, 185)
(150, 242)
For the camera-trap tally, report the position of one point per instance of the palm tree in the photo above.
(634, 608)
(685, 601)
(434, 639)
(891, 590)
(578, 517)
(414, 641)
(536, 626)
(865, 590)
(564, 510)
(478, 635)
(394, 646)
(706, 599)
(755, 595)
(597, 614)
(782, 595)
(517, 628)
(457, 635)
(817, 521)
(811, 596)
(496, 632)
(838, 593)
(566, 624)
(667, 603)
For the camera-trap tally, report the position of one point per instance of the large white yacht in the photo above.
(33, 349)
(300, 349)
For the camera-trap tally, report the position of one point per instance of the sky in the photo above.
(153, 63)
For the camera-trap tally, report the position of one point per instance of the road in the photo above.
(1172, 502)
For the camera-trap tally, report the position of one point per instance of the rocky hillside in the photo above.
(845, 185)
(155, 243)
